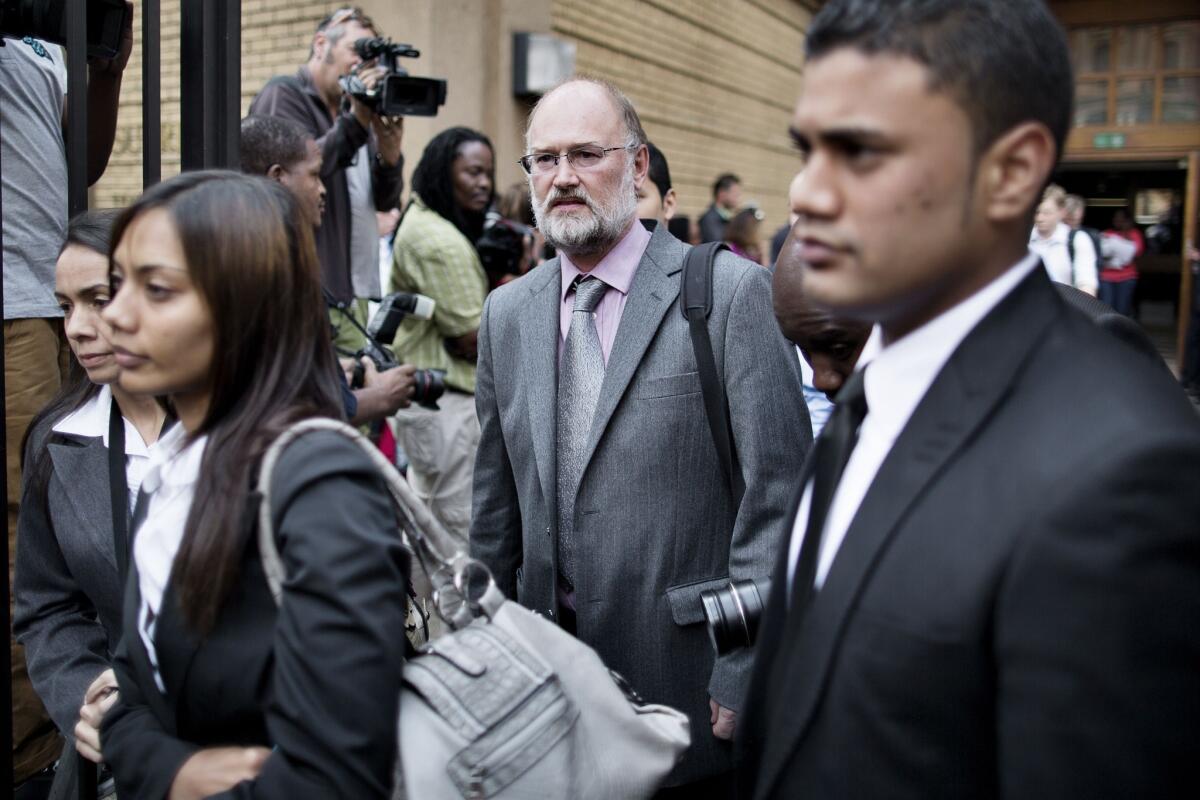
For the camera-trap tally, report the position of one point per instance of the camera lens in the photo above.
(734, 612)
(430, 384)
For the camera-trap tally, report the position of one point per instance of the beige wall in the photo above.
(714, 80)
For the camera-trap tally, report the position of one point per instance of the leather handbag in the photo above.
(506, 704)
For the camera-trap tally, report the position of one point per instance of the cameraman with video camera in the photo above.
(361, 158)
(435, 254)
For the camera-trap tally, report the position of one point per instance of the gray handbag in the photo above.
(506, 704)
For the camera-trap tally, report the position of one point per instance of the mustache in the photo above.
(556, 195)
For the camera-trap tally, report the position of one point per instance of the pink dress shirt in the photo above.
(616, 269)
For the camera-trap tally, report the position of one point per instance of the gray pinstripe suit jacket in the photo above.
(654, 520)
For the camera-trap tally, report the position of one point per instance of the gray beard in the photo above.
(593, 234)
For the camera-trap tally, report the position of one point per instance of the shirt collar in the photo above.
(1061, 233)
(90, 419)
(618, 265)
(899, 375)
(174, 461)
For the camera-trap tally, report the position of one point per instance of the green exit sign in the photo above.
(1108, 141)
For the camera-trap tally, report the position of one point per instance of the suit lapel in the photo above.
(651, 294)
(136, 649)
(973, 382)
(84, 471)
(539, 371)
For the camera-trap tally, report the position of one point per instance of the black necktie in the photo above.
(834, 446)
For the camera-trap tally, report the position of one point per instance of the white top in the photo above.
(1057, 257)
(896, 379)
(364, 229)
(170, 481)
(91, 420)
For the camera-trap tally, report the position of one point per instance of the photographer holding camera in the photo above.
(360, 149)
(435, 255)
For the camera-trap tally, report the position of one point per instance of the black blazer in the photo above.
(319, 681)
(1013, 612)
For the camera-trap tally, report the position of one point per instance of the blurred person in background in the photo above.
(742, 234)
(781, 235)
(1118, 281)
(434, 255)
(727, 198)
(1069, 256)
(656, 196)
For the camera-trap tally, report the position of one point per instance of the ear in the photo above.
(641, 166)
(670, 204)
(320, 44)
(276, 172)
(1012, 172)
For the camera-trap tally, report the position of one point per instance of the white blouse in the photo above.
(170, 483)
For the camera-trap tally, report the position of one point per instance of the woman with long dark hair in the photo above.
(218, 305)
(72, 533)
(435, 255)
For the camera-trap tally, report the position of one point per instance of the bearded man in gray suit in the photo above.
(599, 498)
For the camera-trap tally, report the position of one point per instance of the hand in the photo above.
(97, 700)
(215, 770)
(389, 133)
(723, 720)
(393, 386)
(370, 76)
(113, 67)
(465, 347)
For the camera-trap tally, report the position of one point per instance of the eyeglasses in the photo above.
(585, 157)
(343, 15)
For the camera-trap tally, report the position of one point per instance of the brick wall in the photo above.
(275, 39)
(714, 81)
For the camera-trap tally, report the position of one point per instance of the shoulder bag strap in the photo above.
(695, 302)
(118, 488)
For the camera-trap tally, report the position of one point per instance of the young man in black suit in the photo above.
(995, 593)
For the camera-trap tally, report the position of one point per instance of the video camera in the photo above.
(47, 20)
(381, 330)
(398, 94)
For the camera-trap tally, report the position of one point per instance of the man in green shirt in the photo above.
(434, 255)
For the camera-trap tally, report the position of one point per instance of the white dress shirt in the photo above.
(1057, 257)
(896, 379)
(170, 481)
(91, 420)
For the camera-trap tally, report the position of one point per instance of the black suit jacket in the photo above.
(319, 681)
(1013, 612)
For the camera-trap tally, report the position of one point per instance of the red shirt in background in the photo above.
(1128, 272)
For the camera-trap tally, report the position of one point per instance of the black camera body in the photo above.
(47, 20)
(381, 330)
(502, 246)
(398, 94)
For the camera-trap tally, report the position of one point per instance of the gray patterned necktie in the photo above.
(580, 374)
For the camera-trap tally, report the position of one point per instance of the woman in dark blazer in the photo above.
(68, 581)
(218, 305)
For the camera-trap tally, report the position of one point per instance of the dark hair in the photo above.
(1003, 63)
(660, 173)
(724, 181)
(250, 254)
(433, 182)
(743, 228)
(267, 141)
(92, 230)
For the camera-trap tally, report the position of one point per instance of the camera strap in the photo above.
(695, 302)
(118, 488)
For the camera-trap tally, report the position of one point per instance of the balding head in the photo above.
(585, 202)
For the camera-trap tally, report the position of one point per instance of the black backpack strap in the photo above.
(118, 488)
(695, 302)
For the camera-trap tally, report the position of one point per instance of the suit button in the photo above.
(550, 613)
(547, 530)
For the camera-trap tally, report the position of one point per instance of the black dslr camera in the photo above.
(398, 94)
(502, 246)
(734, 612)
(381, 330)
(47, 19)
